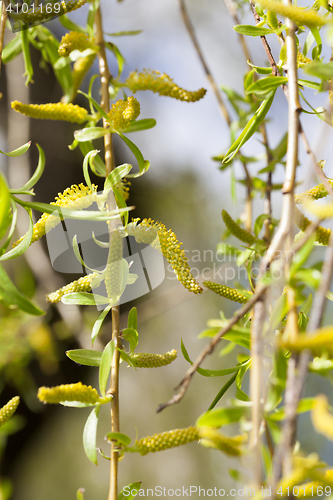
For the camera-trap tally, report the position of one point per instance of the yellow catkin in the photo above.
(166, 440)
(38, 14)
(322, 233)
(7, 411)
(147, 360)
(321, 211)
(318, 343)
(315, 193)
(227, 292)
(74, 197)
(68, 392)
(321, 418)
(301, 59)
(123, 186)
(74, 40)
(162, 84)
(83, 284)
(53, 111)
(212, 438)
(272, 20)
(113, 273)
(123, 112)
(296, 14)
(165, 240)
(237, 231)
(80, 69)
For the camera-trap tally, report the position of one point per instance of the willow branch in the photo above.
(232, 9)
(190, 29)
(109, 163)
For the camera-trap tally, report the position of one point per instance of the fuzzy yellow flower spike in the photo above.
(147, 360)
(113, 272)
(322, 233)
(321, 211)
(162, 84)
(83, 284)
(37, 14)
(303, 467)
(123, 112)
(53, 111)
(321, 418)
(165, 240)
(80, 69)
(74, 197)
(227, 292)
(319, 343)
(212, 438)
(7, 411)
(237, 231)
(74, 40)
(315, 193)
(296, 14)
(68, 392)
(166, 440)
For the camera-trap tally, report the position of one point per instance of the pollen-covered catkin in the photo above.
(147, 360)
(53, 111)
(237, 231)
(162, 84)
(40, 13)
(296, 14)
(315, 193)
(74, 40)
(80, 69)
(7, 411)
(123, 112)
(212, 438)
(322, 233)
(74, 197)
(68, 392)
(167, 243)
(272, 20)
(81, 285)
(166, 440)
(227, 292)
(318, 343)
(321, 418)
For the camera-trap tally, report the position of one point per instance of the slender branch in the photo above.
(232, 9)
(265, 43)
(190, 29)
(109, 163)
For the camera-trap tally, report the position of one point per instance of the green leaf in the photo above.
(120, 58)
(259, 223)
(126, 493)
(90, 434)
(131, 336)
(4, 206)
(23, 245)
(70, 25)
(310, 84)
(19, 151)
(98, 323)
(306, 404)
(29, 72)
(144, 124)
(222, 416)
(84, 299)
(98, 165)
(262, 88)
(119, 438)
(302, 255)
(126, 357)
(90, 133)
(38, 172)
(13, 296)
(132, 321)
(87, 357)
(105, 366)
(324, 71)
(116, 175)
(222, 391)
(262, 70)
(143, 164)
(251, 127)
(12, 49)
(86, 162)
(236, 475)
(250, 30)
(125, 33)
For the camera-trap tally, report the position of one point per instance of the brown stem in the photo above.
(109, 163)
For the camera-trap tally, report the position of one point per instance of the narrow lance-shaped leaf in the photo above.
(90, 435)
(251, 127)
(87, 357)
(105, 366)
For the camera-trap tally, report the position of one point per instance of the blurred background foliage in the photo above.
(41, 451)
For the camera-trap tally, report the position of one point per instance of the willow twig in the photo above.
(109, 163)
